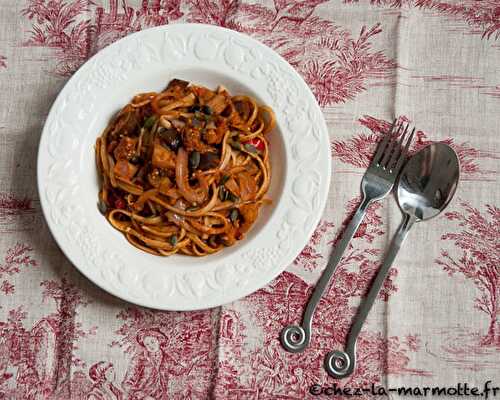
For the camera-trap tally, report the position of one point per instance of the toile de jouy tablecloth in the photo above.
(435, 63)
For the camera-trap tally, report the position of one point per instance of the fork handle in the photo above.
(296, 338)
(340, 364)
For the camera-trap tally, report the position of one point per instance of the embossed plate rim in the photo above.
(297, 214)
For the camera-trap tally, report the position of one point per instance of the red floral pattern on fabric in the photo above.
(478, 242)
(483, 16)
(310, 256)
(336, 65)
(358, 150)
(165, 347)
(123, 19)
(7, 287)
(58, 26)
(77, 29)
(17, 257)
(16, 213)
(480, 17)
(43, 355)
(12, 205)
(3, 61)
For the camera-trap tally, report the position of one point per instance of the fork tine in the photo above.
(383, 144)
(404, 153)
(397, 151)
(390, 147)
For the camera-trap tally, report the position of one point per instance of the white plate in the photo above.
(146, 61)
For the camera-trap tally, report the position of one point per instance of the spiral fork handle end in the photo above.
(294, 338)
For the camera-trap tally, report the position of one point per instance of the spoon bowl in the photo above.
(428, 181)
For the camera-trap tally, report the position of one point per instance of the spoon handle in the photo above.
(341, 364)
(295, 338)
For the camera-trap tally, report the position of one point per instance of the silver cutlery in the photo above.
(426, 186)
(377, 183)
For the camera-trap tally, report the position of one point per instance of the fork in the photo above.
(378, 181)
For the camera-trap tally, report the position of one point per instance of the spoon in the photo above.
(425, 187)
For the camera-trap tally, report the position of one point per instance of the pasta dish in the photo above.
(185, 170)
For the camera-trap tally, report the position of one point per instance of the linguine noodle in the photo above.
(185, 170)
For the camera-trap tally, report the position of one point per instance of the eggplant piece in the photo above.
(171, 138)
(208, 160)
(177, 82)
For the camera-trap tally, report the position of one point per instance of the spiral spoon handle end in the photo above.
(339, 364)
